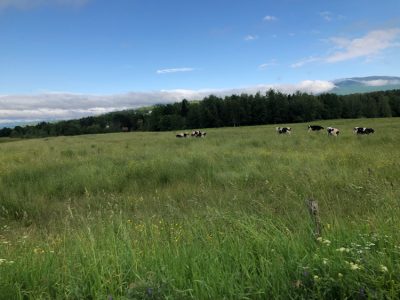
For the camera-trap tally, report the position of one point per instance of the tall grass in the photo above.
(149, 216)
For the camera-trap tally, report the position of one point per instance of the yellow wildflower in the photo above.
(38, 251)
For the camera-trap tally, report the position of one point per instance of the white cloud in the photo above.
(380, 82)
(326, 15)
(369, 45)
(265, 66)
(270, 18)
(329, 16)
(315, 86)
(250, 37)
(58, 106)
(305, 61)
(174, 70)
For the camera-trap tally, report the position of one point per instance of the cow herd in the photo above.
(195, 133)
(332, 131)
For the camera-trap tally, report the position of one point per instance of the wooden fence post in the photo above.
(314, 213)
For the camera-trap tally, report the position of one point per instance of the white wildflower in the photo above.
(354, 266)
(343, 249)
(326, 242)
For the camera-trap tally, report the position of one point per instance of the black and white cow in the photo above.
(363, 130)
(314, 128)
(182, 135)
(333, 131)
(283, 130)
(198, 133)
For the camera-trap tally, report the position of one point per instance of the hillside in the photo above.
(148, 216)
(365, 84)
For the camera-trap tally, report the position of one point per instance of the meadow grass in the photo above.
(149, 216)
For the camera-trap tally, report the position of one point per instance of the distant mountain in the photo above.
(19, 123)
(365, 84)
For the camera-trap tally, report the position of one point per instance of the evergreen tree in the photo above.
(370, 108)
(184, 108)
(384, 106)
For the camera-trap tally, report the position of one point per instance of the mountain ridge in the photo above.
(365, 84)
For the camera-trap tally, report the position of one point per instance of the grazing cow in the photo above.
(283, 130)
(181, 135)
(198, 133)
(333, 131)
(363, 130)
(314, 128)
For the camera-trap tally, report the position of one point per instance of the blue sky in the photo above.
(104, 49)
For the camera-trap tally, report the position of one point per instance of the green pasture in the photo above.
(145, 215)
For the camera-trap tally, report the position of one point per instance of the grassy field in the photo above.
(149, 216)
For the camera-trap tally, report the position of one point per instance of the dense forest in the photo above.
(235, 110)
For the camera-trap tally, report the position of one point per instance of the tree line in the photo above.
(236, 110)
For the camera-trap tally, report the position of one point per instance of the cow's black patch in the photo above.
(315, 127)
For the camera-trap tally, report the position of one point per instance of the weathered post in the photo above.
(314, 213)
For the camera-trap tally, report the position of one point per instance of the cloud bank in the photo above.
(381, 82)
(61, 106)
